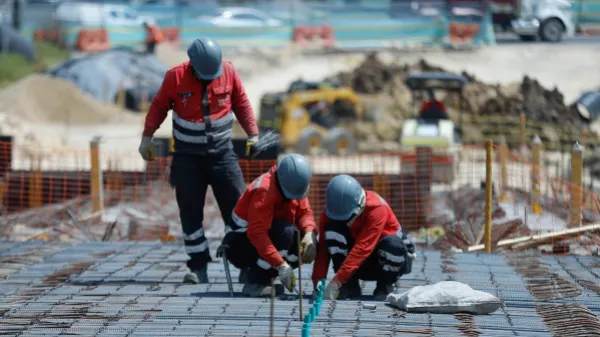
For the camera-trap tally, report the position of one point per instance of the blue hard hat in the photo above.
(205, 57)
(343, 197)
(294, 173)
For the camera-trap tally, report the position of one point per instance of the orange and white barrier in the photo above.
(93, 40)
(309, 35)
(463, 33)
(172, 35)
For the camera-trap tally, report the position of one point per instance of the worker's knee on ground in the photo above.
(238, 251)
(282, 234)
(392, 254)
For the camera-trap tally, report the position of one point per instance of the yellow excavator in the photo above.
(308, 114)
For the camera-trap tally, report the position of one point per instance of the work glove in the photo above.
(308, 247)
(332, 290)
(286, 276)
(146, 149)
(251, 153)
(412, 256)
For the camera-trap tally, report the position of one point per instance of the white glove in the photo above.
(332, 290)
(145, 147)
(286, 276)
(412, 256)
(253, 139)
(308, 247)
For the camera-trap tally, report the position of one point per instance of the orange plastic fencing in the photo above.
(543, 198)
(434, 194)
(93, 40)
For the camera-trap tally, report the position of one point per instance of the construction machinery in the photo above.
(308, 115)
(433, 129)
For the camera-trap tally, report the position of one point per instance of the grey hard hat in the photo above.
(294, 173)
(343, 197)
(205, 57)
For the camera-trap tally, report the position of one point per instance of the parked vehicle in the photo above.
(548, 20)
(240, 17)
(95, 14)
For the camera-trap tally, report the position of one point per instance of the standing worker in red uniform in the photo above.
(262, 237)
(153, 36)
(361, 234)
(203, 93)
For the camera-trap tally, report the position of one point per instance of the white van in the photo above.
(94, 14)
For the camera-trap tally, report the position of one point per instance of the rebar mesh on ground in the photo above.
(541, 281)
(569, 320)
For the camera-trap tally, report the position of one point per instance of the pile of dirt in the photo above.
(39, 99)
(384, 94)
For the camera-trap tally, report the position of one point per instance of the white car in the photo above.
(94, 14)
(240, 17)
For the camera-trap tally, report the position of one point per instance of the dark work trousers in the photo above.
(191, 175)
(150, 46)
(242, 254)
(386, 264)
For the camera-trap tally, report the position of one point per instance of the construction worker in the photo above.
(361, 234)
(432, 108)
(153, 36)
(262, 237)
(203, 93)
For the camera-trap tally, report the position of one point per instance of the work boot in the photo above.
(350, 289)
(196, 276)
(243, 278)
(261, 290)
(382, 290)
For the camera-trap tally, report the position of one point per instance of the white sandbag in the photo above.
(446, 297)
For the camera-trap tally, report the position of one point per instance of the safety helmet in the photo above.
(293, 174)
(344, 198)
(205, 57)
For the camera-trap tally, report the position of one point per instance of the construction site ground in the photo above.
(134, 289)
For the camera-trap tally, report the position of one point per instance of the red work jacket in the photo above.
(184, 93)
(433, 104)
(376, 221)
(261, 204)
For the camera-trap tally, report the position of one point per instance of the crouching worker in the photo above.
(361, 235)
(261, 239)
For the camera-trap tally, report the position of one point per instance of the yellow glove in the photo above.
(308, 247)
(146, 149)
(286, 276)
(249, 144)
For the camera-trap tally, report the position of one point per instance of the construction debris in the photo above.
(384, 94)
(464, 225)
(137, 213)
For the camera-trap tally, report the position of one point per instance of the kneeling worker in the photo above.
(261, 237)
(363, 238)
